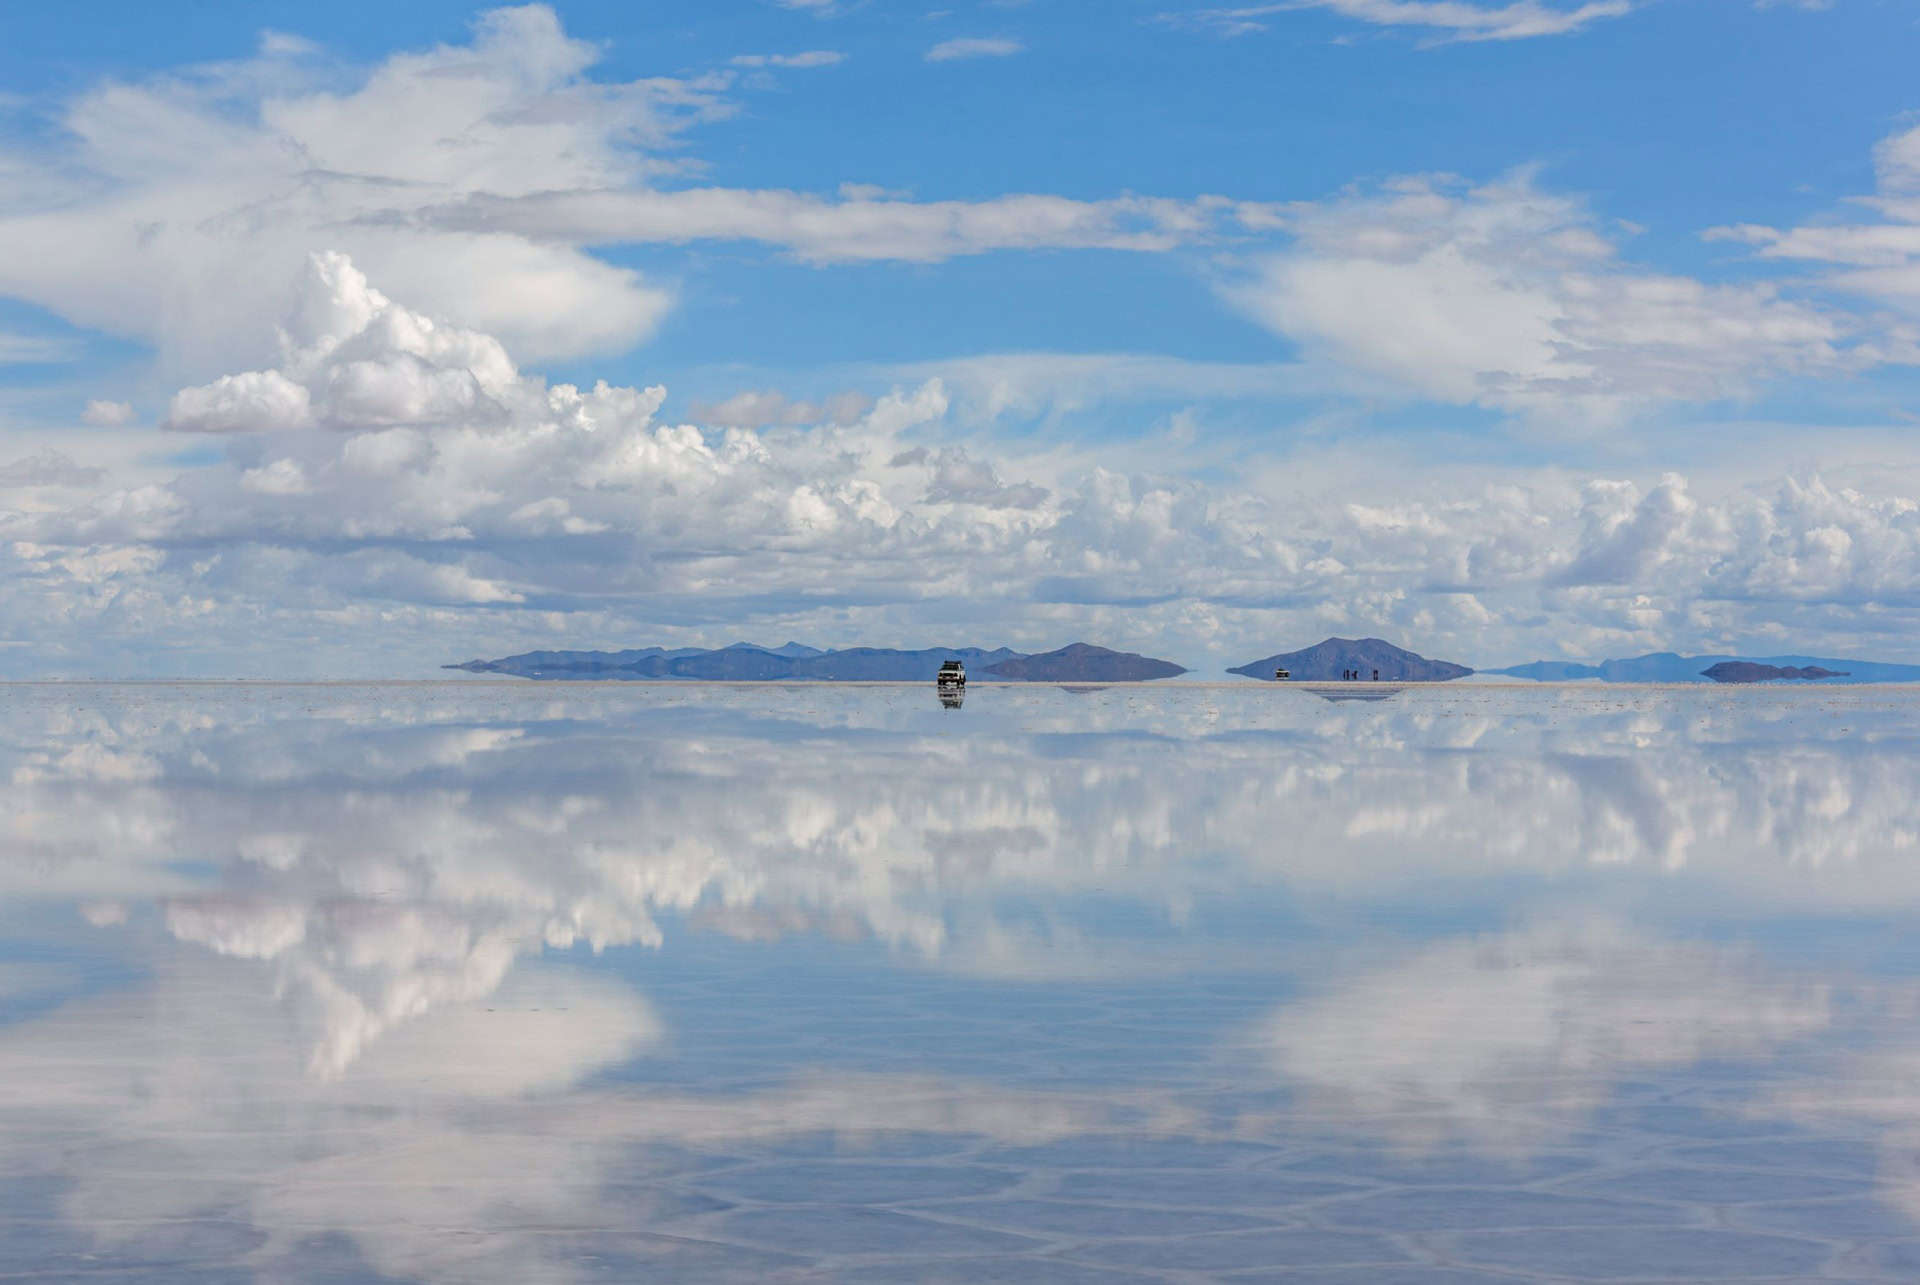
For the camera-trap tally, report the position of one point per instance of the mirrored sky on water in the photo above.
(495, 982)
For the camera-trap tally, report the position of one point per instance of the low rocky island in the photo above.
(1332, 660)
(1085, 663)
(1077, 663)
(1672, 667)
(1747, 671)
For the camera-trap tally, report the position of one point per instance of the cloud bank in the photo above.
(401, 474)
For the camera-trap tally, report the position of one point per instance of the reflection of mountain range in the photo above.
(1746, 671)
(1671, 667)
(1334, 659)
(1079, 662)
(1367, 693)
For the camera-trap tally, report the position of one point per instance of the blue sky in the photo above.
(1501, 330)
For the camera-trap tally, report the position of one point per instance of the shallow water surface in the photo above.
(490, 982)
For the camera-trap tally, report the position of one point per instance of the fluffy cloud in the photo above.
(467, 177)
(393, 473)
(224, 175)
(412, 459)
(107, 414)
(255, 401)
(1507, 296)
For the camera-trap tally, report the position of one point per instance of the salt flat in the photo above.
(482, 981)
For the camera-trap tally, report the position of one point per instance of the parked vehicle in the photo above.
(952, 674)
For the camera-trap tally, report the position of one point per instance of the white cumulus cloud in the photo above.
(1508, 296)
(394, 476)
(107, 414)
(474, 179)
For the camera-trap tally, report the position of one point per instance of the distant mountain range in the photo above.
(1328, 661)
(1670, 667)
(1080, 662)
(1084, 663)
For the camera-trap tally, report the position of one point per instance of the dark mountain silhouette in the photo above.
(1671, 667)
(1746, 671)
(1327, 661)
(1085, 663)
(873, 664)
(743, 661)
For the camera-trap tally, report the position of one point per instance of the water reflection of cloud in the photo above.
(344, 898)
(186, 1098)
(390, 850)
(1504, 1040)
(468, 1144)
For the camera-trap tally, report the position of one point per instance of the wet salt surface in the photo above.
(515, 983)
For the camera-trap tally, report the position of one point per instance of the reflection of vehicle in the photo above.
(1369, 692)
(1281, 675)
(952, 697)
(952, 674)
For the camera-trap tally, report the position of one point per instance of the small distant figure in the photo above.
(1376, 675)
